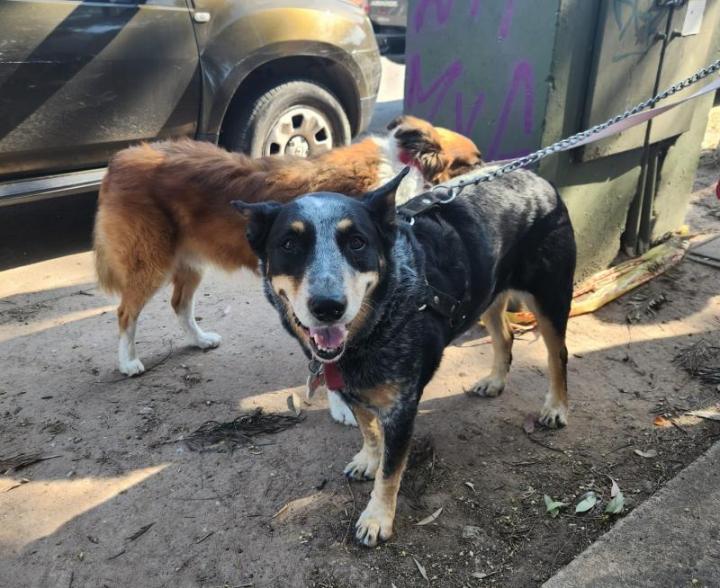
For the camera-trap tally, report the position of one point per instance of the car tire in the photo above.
(296, 117)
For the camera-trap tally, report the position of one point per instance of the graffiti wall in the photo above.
(482, 67)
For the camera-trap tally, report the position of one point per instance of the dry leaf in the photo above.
(529, 423)
(281, 511)
(479, 575)
(421, 569)
(616, 504)
(646, 454)
(661, 421)
(711, 414)
(431, 518)
(588, 500)
(553, 507)
(470, 485)
(294, 404)
(472, 532)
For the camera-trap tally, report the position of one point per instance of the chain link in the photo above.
(569, 142)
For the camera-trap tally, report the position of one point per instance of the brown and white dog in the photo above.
(164, 209)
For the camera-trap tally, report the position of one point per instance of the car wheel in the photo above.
(299, 118)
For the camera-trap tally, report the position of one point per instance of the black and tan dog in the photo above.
(351, 281)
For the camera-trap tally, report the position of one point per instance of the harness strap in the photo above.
(445, 305)
(425, 201)
(456, 311)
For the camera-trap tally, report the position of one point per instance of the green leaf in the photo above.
(589, 500)
(616, 504)
(553, 507)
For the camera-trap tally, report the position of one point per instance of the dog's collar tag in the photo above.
(327, 375)
(316, 379)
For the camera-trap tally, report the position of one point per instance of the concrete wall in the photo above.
(481, 67)
(517, 74)
(598, 192)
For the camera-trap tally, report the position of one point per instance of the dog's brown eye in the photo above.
(288, 244)
(357, 243)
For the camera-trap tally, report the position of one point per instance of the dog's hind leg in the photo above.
(185, 281)
(501, 334)
(551, 311)
(131, 304)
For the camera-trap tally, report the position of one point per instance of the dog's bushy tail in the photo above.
(127, 173)
(108, 280)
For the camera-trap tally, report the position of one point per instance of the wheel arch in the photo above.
(331, 68)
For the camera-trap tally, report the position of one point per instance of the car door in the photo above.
(80, 80)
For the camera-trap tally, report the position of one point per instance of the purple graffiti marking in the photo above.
(475, 9)
(506, 19)
(467, 128)
(416, 93)
(523, 76)
(443, 8)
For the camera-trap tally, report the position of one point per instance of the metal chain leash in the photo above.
(454, 188)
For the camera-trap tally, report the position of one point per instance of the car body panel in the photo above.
(242, 36)
(392, 13)
(79, 80)
(389, 19)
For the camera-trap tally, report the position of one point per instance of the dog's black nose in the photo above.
(327, 309)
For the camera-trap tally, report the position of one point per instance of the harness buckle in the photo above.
(452, 194)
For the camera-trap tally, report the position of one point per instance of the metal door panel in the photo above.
(79, 80)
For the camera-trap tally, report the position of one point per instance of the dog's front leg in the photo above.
(376, 521)
(366, 461)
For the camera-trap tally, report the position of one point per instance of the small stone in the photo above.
(472, 532)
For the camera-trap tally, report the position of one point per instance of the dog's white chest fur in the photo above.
(390, 166)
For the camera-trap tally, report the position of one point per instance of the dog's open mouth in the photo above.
(326, 343)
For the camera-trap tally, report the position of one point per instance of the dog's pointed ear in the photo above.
(381, 202)
(396, 122)
(260, 217)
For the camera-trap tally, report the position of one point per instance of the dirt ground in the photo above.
(120, 500)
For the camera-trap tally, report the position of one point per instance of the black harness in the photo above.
(454, 310)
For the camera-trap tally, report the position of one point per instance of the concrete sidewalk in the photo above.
(672, 539)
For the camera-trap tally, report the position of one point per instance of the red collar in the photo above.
(717, 190)
(333, 377)
(407, 159)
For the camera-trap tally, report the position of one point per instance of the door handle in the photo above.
(201, 16)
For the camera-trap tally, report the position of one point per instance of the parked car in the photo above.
(81, 80)
(389, 19)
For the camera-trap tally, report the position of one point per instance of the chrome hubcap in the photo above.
(300, 131)
(298, 146)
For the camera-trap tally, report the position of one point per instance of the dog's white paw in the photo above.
(339, 411)
(363, 466)
(375, 524)
(489, 387)
(131, 367)
(553, 415)
(207, 340)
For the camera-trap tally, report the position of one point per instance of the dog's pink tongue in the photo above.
(328, 337)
